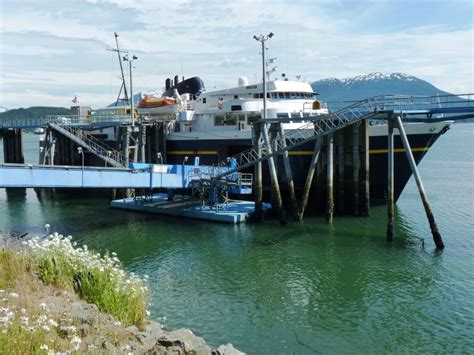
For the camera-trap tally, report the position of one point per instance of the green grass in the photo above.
(96, 279)
(28, 327)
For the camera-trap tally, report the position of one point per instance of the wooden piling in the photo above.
(274, 177)
(366, 169)
(340, 172)
(126, 144)
(289, 177)
(273, 136)
(355, 168)
(13, 146)
(330, 179)
(309, 178)
(258, 185)
(390, 182)
(142, 142)
(421, 189)
(52, 148)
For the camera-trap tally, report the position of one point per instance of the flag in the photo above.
(74, 99)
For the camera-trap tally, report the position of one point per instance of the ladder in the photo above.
(92, 144)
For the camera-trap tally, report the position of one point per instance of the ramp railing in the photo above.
(325, 124)
(92, 144)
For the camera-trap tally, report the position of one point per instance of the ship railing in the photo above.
(405, 103)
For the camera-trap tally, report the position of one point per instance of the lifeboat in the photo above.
(151, 102)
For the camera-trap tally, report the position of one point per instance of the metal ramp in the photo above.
(92, 144)
(377, 107)
(138, 176)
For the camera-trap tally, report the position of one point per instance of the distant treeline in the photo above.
(34, 112)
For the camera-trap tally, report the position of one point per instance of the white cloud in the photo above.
(61, 48)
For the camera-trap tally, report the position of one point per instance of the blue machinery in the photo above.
(199, 179)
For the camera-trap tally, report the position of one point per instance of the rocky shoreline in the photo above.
(99, 331)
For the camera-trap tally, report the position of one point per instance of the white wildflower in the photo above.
(52, 323)
(43, 305)
(41, 319)
(14, 295)
(68, 328)
(76, 342)
(147, 312)
(24, 320)
(46, 328)
(44, 347)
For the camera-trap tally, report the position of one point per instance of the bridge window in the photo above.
(228, 119)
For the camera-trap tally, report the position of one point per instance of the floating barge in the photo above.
(232, 211)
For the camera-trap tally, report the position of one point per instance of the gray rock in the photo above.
(228, 349)
(148, 337)
(190, 341)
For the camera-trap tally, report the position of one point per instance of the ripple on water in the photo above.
(304, 288)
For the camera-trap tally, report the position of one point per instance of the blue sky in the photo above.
(53, 50)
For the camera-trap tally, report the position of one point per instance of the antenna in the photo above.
(124, 86)
(268, 71)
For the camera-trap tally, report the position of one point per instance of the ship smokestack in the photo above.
(176, 80)
(167, 83)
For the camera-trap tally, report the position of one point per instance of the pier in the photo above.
(337, 179)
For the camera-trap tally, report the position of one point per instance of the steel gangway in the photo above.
(377, 108)
(110, 156)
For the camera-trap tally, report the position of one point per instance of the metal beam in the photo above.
(421, 189)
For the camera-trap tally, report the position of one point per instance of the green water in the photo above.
(303, 288)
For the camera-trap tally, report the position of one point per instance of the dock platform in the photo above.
(235, 211)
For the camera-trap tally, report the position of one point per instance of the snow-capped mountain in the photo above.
(373, 84)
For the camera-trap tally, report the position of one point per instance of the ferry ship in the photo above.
(217, 124)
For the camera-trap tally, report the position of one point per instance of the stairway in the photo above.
(110, 156)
